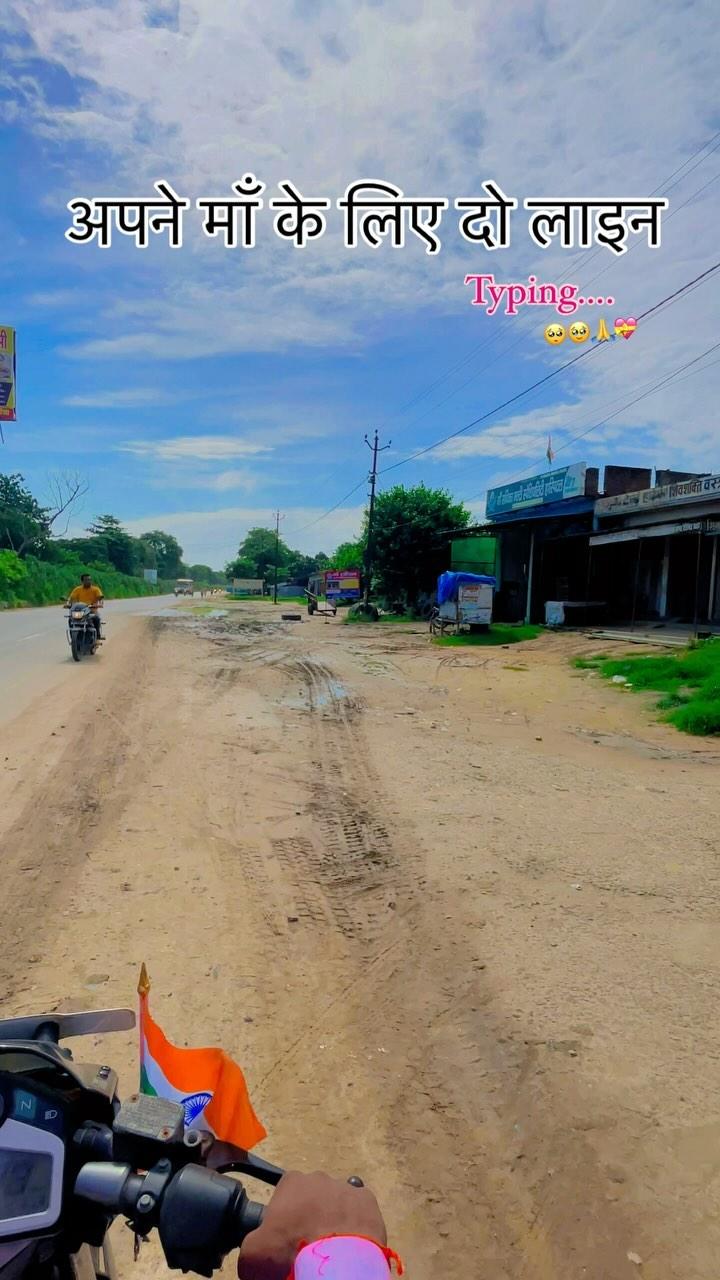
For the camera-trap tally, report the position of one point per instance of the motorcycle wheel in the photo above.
(75, 646)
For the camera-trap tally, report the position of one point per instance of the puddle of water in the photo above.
(333, 691)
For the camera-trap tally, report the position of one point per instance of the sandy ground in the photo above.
(454, 910)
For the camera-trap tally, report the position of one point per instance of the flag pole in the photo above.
(143, 990)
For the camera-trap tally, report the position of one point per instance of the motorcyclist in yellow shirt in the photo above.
(89, 593)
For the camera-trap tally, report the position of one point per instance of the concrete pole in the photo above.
(664, 577)
(531, 563)
(713, 579)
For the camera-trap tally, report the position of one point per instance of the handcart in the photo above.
(464, 600)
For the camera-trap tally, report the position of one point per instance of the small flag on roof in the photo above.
(208, 1084)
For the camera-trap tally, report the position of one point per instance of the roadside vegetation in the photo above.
(358, 619)
(39, 567)
(688, 683)
(498, 633)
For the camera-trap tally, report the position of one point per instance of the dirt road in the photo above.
(454, 910)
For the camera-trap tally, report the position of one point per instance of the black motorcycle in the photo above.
(83, 635)
(73, 1157)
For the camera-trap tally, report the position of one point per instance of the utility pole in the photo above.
(375, 449)
(278, 518)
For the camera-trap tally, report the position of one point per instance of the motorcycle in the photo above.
(73, 1157)
(83, 636)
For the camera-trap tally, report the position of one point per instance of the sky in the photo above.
(201, 388)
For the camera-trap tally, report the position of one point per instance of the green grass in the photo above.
(499, 633)
(388, 619)
(688, 683)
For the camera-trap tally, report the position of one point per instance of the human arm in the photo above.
(322, 1213)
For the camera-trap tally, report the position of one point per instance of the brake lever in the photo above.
(226, 1158)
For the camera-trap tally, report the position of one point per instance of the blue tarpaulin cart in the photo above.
(463, 600)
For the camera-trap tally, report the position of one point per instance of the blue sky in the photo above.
(199, 389)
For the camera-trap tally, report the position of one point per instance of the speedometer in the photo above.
(31, 1179)
(25, 1182)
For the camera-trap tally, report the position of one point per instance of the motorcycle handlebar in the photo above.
(201, 1216)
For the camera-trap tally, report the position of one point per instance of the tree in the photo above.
(12, 571)
(240, 568)
(257, 550)
(120, 547)
(411, 533)
(24, 524)
(349, 555)
(65, 489)
(202, 573)
(168, 553)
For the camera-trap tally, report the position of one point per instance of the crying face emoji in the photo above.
(555, 334)
(579, 331)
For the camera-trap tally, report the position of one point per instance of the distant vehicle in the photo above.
(184, 587)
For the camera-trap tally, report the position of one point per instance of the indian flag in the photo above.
(207, 1083)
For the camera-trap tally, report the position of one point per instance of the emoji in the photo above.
(602, 333)
(555, 334)
(579, 331)
(625, 328)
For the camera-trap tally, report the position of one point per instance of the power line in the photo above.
(507, 349)
(667, 301)
(711, 146)
(668, 378)
(291, 533)
(547, 377)
(656, 386)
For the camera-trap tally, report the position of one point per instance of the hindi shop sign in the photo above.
(553, 486)
(7, 375)
(342, 584)
(663, 495)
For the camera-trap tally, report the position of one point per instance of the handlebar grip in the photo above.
(248, 1215)
(203, 1216)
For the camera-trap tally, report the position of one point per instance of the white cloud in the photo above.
(200, 448)
(331, 93)
(213, 537)
(227, 480)
(124, 398)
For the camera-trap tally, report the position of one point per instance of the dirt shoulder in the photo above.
(454, 911)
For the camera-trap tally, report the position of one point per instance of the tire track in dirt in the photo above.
(361, 868)
(53, 833)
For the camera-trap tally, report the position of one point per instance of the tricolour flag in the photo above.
(208, 1084)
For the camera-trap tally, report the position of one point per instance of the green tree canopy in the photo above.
(349, 555)
(410, 539)
(167, 552)
(121, 547)
(257, 553)
(24, 524)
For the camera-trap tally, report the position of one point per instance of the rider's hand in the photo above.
(307, 1207)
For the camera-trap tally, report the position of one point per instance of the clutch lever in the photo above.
(225, 1158)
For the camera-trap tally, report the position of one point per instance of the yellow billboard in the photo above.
(7, 374)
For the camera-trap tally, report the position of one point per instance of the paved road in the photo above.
(34, 652)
